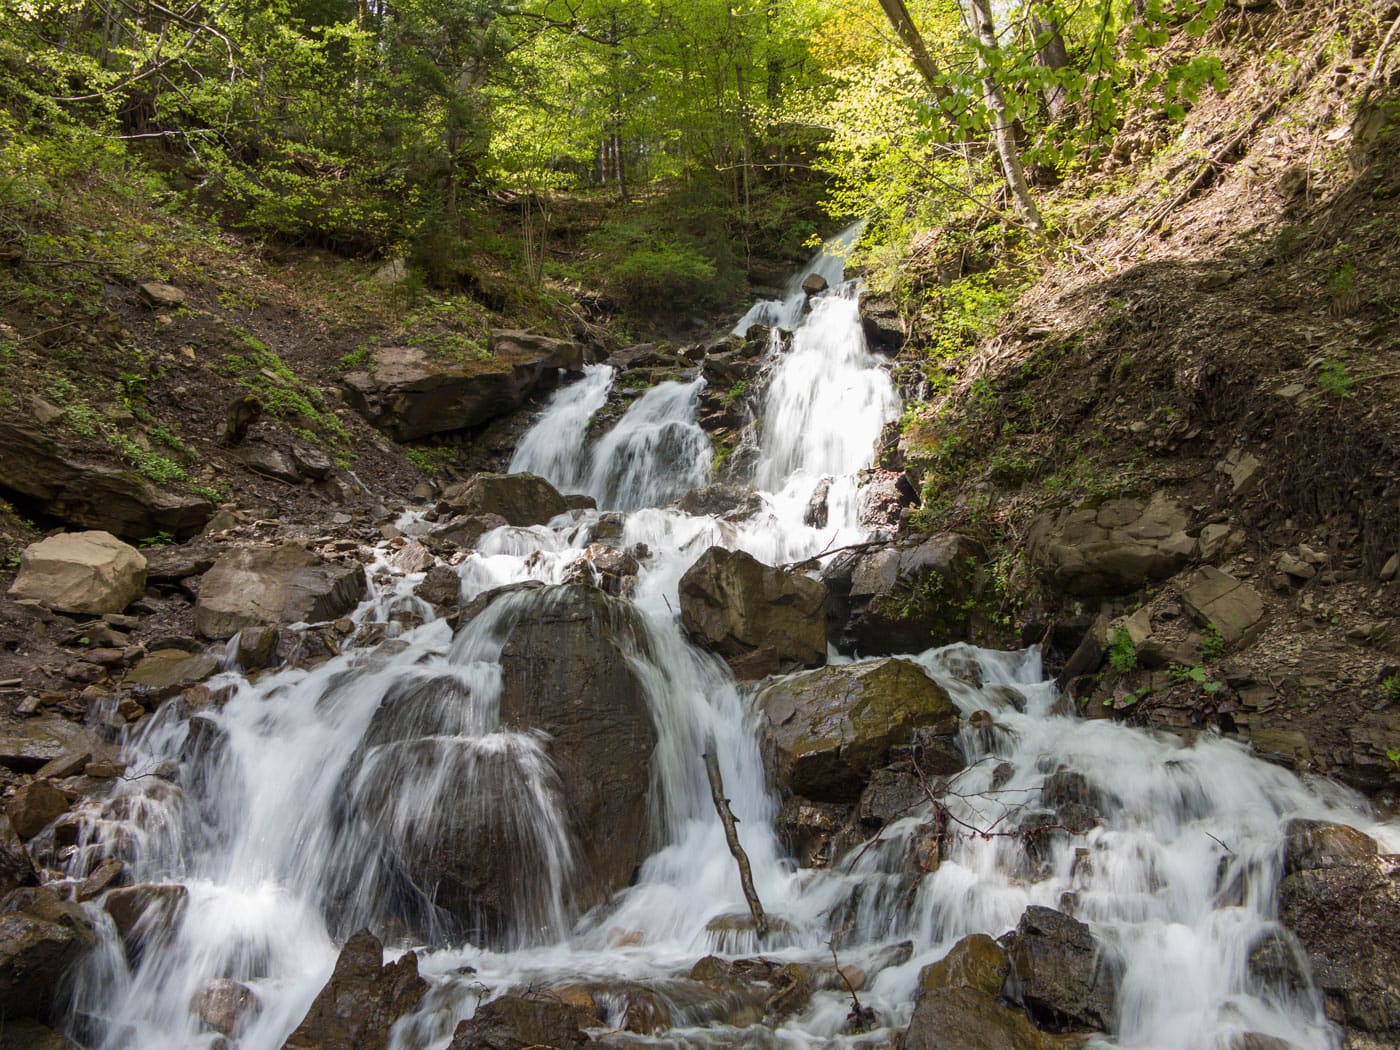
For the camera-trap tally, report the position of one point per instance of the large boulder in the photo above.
(966, 1018)
(361, 1001)
(41, 937)
(464, 821)
(904, 597)
(1341, 899)
(827, 731)
(761, 619)
(519, 499)
(412, 393)
(1063, 974)
(565, 669)
(76, 488)
(34, 806)
(1114, 548)
(81, 572)
(284, 583)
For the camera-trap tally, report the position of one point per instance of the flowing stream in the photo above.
(255, 825)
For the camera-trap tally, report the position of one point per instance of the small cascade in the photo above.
(405, 786)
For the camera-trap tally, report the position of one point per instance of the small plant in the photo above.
(358, 360)
(1394, 755)
(1122, 654)
(1390, 688)
(1335, 378)
(161, 539)
(1212, 643)
(1196, 674)
(212, 493)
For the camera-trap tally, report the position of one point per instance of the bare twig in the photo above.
(731, 836)
(861, 1018)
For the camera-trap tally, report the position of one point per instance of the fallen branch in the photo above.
(731, 836)
(861, 1018)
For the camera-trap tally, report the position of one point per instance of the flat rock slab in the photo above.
(277, 584)
(1113, 548)
(1216, 599)
(76, 488)
(167, 670)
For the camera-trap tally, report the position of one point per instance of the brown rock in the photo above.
(166, 672)
(41, 937)
(82, 572)
(250, 586)
(361, 1001)
(224, 1005)
(521, 499)
(35, 806)
(976, 962)
(513, 1022)
(771, 619)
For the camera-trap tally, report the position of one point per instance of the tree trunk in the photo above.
(1054, 55)
(909, 34)
(1002, 133)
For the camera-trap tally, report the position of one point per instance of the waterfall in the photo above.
(307, 805)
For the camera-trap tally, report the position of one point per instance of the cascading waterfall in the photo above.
(302, 804)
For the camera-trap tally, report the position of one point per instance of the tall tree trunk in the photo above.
(1002, 133)
(912, 39)
(1045, 22)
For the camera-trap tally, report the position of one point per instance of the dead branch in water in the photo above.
(731, 836)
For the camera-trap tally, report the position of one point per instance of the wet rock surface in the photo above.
(1342, 901)
(41, 937)
(518, 499)
(512, 1022)
(760, 618)
(1063, 974)
(904, 597)
(361, 1001)
(828, 730)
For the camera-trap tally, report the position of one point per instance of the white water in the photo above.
(279, 871)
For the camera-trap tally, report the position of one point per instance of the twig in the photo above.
(731, 836)
(862, 1018)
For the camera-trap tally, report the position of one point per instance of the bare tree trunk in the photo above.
(1002, 133)
(1054, 55)
(909, 34)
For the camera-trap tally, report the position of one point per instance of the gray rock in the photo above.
(905, 597)
(29, 746)
(465, 530)
(269, 461)
(249, 586)
(441, 586)
(72, 487)
(1063, 974)
(167, 671)
(814, 284)
(1113, 548)
(760, 618)
(826, 731)
(1216, 599)
(224, 1005)
(514, 1021)
(521, 499)
(161, 295)
(411, 393)
(81, 572)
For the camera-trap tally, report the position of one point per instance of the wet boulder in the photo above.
(515, 1021)
(1064, 976)
(466, 530)
(145, 913)
(412, 393)
(761, 619)
(73, 487)
(976, 962)
(34, 806)
(607, 568)
(904, 597)
(224, 1005)
(81, 572)
(970, 1019)
(1114, 548)
(361, 1001)
(827, 731)
(519, 499)
(1341, 899)
(274, 584)
(41, 937)
(566, 670)
(723, 500)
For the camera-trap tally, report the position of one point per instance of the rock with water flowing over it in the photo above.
(607, 568)
(224, 1005)
(16, 869)
(41, 937)
(286, 583)
(827, 731)
(65, 484)
(515, 1021)
(520, 499)
(361, 1001)
(1063, 973)
(412, 393)
(565, 669)
(1113, 548)
(761, 619)
(903, 597)
(146, 913)
(81, 572)
(1341, 899)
